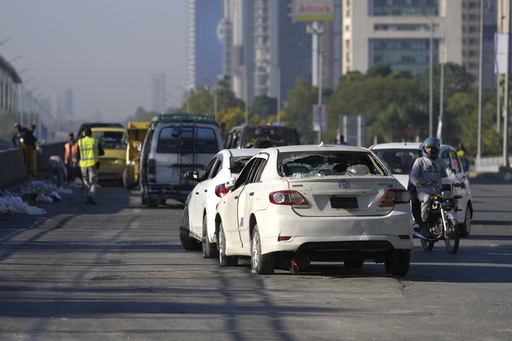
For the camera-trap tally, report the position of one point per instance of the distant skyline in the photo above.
(105, 51)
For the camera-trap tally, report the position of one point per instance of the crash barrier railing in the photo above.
(489, 164)
(12, 163)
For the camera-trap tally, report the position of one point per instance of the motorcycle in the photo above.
(442, 221)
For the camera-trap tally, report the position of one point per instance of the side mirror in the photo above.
(230, 184)
(191, 176)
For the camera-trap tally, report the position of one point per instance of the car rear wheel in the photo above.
(143, 195)
(397, 263)
(188, 243)
(465, 228)
(209, 249)
(260, 264)
(128, 181)
(223, 259)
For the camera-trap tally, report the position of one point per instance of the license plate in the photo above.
(344, 202)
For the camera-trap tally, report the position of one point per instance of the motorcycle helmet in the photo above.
(434, 143)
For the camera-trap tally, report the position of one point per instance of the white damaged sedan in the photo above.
(296, 204)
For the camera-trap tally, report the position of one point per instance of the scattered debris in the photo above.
(12, 202)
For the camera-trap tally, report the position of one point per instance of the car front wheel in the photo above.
(221, 243)
(260, 264)
(188, 243)
(465, 228)
(209, 249)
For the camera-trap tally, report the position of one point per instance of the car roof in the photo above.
(314, 147)
(241, 151)
(404, 145)
(109, 129)
(397, 145)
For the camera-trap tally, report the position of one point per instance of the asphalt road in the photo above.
(117, 271)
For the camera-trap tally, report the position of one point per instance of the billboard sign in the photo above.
(319, 117)
(313, 10)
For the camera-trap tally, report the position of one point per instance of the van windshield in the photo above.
(187, 140)
(111, 139)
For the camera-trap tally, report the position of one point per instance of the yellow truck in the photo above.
(136, 134)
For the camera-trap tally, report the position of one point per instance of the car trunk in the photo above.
(342, 197)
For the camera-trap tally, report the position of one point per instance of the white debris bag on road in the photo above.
(16, 205)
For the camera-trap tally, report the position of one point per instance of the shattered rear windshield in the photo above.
(344, 163)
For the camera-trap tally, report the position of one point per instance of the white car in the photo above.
(295, 204)
(198, 219)
(399, 156)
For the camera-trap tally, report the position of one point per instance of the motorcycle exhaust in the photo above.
(419, 235)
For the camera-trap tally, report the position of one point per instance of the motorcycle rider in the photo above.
(426, 169)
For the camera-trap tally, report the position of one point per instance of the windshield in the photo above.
(316, 163)
(398, 160)
(111, 139)
(269, 136)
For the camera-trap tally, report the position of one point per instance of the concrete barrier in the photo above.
(12, 163)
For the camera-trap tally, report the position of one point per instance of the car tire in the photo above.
(260, 264)
(209, 249)
(353, 263)
(128, 181)
(143, 195)
(397, 263)
(221, 243)
(188, 243)
(465, 228)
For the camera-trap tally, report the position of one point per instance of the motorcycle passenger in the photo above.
(426, 169)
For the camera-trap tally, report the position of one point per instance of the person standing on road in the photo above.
(71, 157)
(24, 139)
(32, 128)
(89, 150)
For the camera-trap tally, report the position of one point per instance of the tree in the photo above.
(264, 106)
(300, 109)
(382, 101)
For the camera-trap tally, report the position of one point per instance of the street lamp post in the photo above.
(430, 80)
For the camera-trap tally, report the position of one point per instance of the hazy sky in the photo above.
(104, 50)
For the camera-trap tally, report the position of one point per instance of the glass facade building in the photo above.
(411, 55)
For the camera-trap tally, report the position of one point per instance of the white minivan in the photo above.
(174, 145)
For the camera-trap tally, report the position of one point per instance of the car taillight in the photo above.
(221, 190)
(293, 198)
(151, 167)
(395, 196)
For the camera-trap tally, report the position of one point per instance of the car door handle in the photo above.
(197, 193)
(205, 190)
(251, 194)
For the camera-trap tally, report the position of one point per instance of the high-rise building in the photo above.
(206, 56)
(414, 35)
(158, 92)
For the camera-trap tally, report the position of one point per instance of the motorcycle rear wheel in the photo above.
(452, 236)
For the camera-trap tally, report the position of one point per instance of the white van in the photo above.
(174, 145)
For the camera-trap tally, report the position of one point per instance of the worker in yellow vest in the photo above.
(89, 150)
